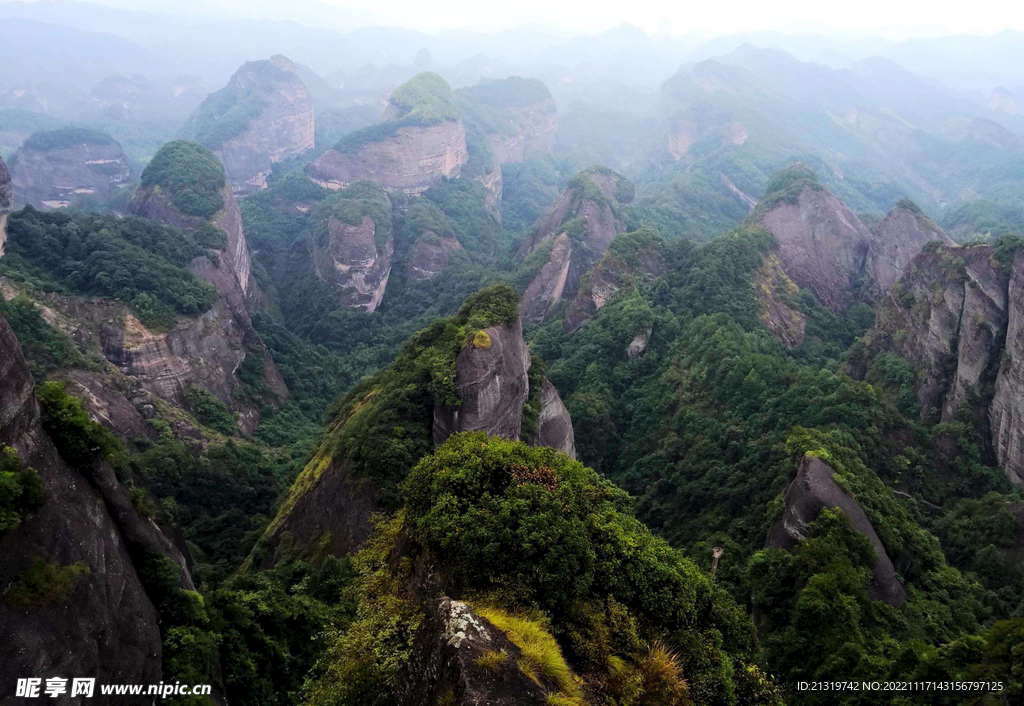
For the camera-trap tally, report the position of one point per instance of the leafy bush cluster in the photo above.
(208, 410)
(426, 96)
(46, 348)
(136, 261)
(66, 137)
(21, 491)
(191, 174)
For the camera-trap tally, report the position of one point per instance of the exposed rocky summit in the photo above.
(823, 247)
(420, 141)
(353, 244)
(59, 168)
(263, 116)
(492, 378)
(957, 316)
(630, 259)
(813, 490)
(571, 238)
(6, 201)
(554, 425)
(104, 624)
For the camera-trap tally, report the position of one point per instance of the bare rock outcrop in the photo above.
(813, 490)
(1002, 100)
(492, 379)
(554, 426)
(431, 257)
(899, 237)
(446, 661)
(414, 147)
(774, 291)
(104, 625)
(6, 201)
(577, 231)
(59, 168)
(630, 259)
(353, 245)
(955, 316)
(263, 116)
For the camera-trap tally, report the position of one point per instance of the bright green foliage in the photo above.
(42, 584)
(45, 348)
(66, 137)
(21, 491)
(81, 441)
(363, 199)
(787, 185)
(426, 96)
(136, 261)
(191, 174)
(208, 410)
(531, 527)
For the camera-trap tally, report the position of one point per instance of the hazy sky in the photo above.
(705, 16)
(895, 18)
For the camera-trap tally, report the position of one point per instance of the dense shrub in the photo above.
(21, 491)
(191, 174)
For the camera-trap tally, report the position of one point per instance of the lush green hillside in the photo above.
(191, 174)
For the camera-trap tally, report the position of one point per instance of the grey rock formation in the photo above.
(493, 384)
(638, 345)
(281, 128)
(774, 291)
(6, 201)
(807, 495)
(431, 256)
(352, 263)
(822, 245)
(899, 237)
(554, 427)
(449, 643)
(51, 173)
(412, 159)
(582, 224)
(106, 627)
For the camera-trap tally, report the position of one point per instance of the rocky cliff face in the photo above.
(103, 625)
(807, 495)
(329, 507)
(640, 257)
(263, 116)
(420, 141)
(411, 159)
(578, 230)
(353, 245)
(1003, 101)
(823, 247)
(492, 378)
(6, 201)
(431, 256)
(956, 315)
(898, 238)
(58, 169)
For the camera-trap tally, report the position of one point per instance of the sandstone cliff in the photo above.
(823, 247)
(630, 259)
(576, 232)
(807, 495)
(431, 256)
(353, 244)
(955, 316)
(263, 116)
(6, 201)
(329, 507)
(59, 168)
(102, 623)
(420, 141)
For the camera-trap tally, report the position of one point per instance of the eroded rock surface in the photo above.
(106, 626)
(280, 125)
(807, 495)
(6, 201)
(491, 376)
(57, 169)
(899, 237)
(432, 255)
(554, 427)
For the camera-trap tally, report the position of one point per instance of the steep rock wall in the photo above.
(353, 264)
(6, 201)
(56, 178)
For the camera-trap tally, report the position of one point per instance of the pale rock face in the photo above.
(638, 345)
(6, 201)
(822, 245)
(772, 288)
(546, 289)
(807, 495)
(352, 263)
(493, 385)
(431, 257)
(554, 428)
(958, 317)
(412, 160)
(107, 627)
(55, 178)
(283, 129)
(681, 137)
(898, 239)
